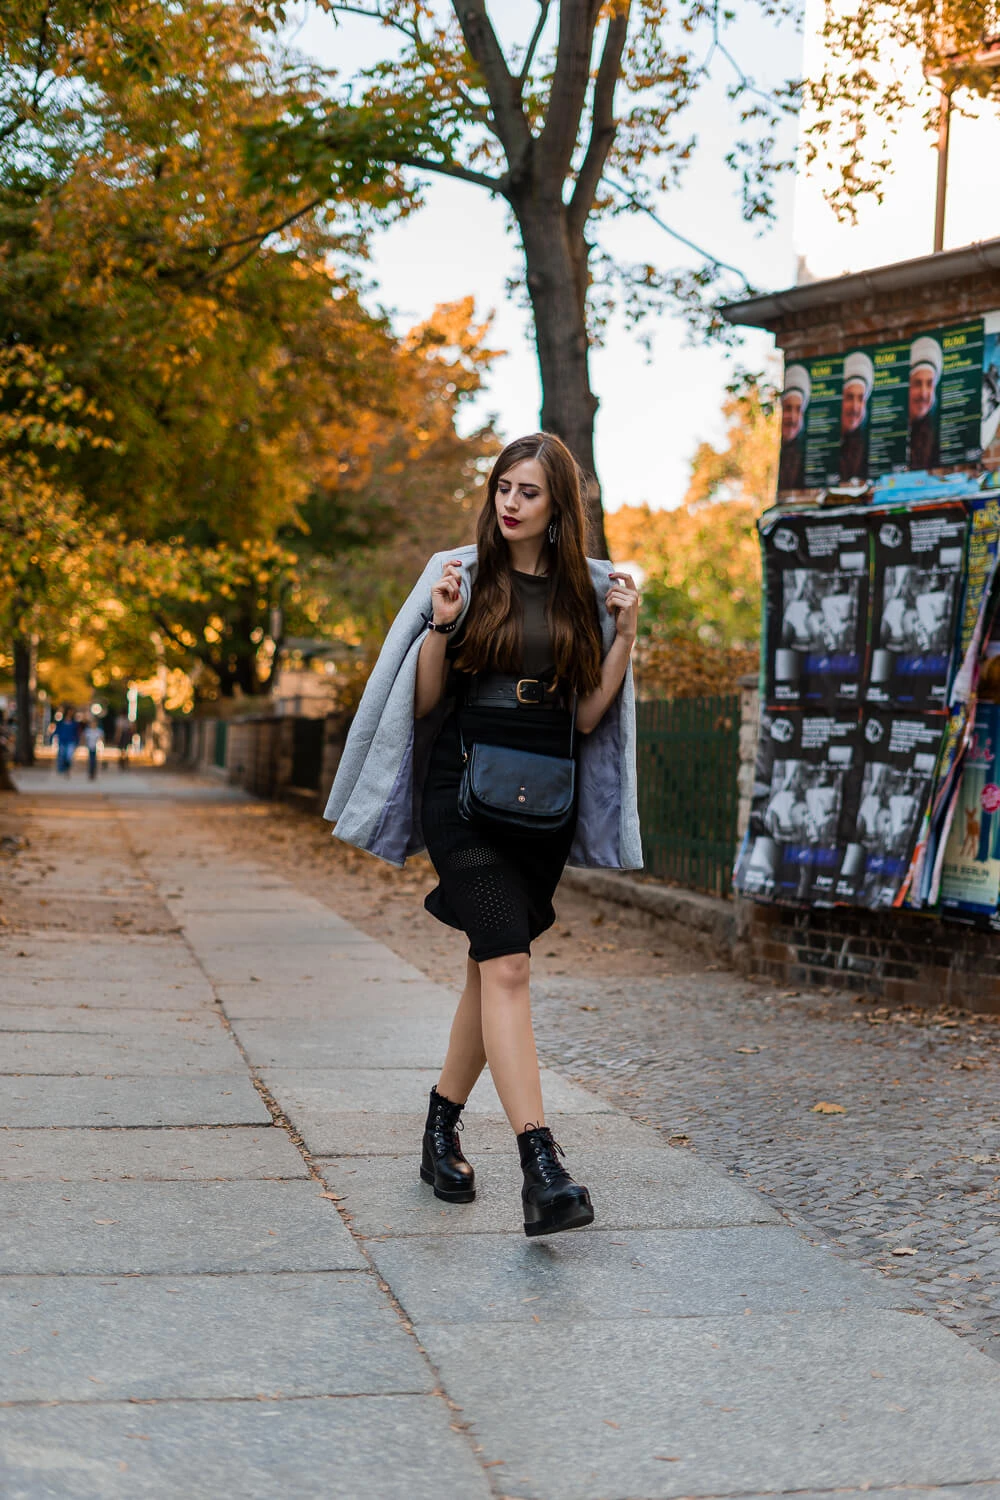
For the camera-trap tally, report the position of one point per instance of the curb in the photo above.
(689, 918)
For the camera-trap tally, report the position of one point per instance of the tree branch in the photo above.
(568, 94)
(644, 208)
(509, 119)
(412, 33)
(258, 236)
(536, 35)
(455, 169)
(602, 127)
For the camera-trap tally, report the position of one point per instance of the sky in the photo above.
(901, 227)
(653, 411)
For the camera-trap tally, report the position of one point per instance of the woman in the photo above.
(514, 652)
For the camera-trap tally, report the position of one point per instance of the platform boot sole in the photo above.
(574, 1213)
(448, 1195)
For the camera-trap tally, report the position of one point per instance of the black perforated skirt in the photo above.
(497, 889)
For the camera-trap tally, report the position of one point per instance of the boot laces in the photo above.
(547, 1153)
(445, 1131)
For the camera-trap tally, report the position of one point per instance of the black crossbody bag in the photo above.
(517, 791)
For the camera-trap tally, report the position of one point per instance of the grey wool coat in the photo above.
(376, 795)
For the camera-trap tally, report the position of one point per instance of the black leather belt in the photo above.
(495, 690)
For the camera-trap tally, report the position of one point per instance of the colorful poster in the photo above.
(900, 753)
(982, 555)
(918, 557)
(945, 396)
(804, 792)
(989, 437)
(817, 572)
(970, 881)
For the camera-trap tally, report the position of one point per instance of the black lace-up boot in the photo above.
(552, 1200)
(442, 1163)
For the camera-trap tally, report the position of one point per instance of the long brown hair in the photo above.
(493, 628)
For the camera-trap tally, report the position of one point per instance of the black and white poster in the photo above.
(900, 752)
(805, 795)
(817, 587)
(919, 556)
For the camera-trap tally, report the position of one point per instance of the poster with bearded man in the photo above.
(859, 378)
(794, 404)
(926, 364)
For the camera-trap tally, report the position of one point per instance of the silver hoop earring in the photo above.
(553, 532)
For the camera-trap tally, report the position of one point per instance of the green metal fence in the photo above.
(688, 755)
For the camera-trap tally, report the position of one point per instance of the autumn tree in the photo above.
(223, 329)
(581, 120)
(701, 562)
(49, 557)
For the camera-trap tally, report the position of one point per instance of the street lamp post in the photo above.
(948, 70)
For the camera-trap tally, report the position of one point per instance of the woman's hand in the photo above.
(622, 600)
(446, 595)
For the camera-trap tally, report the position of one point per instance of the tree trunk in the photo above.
(557, 284)
(6, 784)
(24, 697)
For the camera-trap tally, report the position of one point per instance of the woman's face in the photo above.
(523, 502)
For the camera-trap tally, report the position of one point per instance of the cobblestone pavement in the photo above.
(904, 1173)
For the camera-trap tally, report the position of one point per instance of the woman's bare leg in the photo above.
(509, 1039)
(466, 1057)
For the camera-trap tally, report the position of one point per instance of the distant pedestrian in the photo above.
(93, 739)
(124, 745)
(67, 739)
(504, 687)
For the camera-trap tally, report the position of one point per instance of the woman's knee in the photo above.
(509, 972)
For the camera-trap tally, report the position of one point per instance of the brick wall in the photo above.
(902, 958)
(885, 316)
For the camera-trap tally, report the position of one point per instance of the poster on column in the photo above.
(817, 587)
(931, 401)
(809, 456)
(970, 880)
(888, 420)
(918, 575)
(899, 752)
(805, 793)
(946, 390)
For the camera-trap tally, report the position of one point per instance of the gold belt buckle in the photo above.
(528, 682)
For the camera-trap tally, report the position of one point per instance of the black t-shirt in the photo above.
(543, 730)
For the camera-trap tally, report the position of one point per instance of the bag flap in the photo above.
(519, 781)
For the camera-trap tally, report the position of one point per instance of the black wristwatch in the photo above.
(441, 629)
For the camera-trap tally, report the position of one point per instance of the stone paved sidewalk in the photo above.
(221, 1275)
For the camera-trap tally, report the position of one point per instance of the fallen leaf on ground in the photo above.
(824, 1107)
(903, 1250)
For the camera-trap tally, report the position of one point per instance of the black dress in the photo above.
(496, 888)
